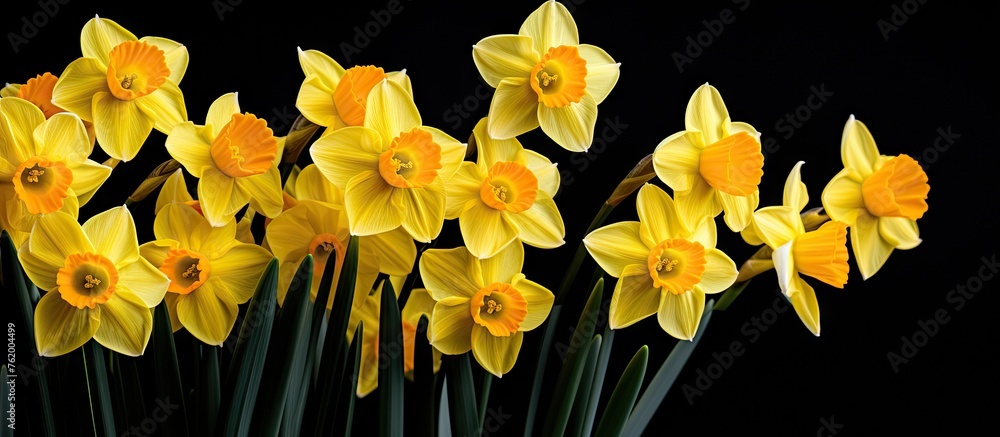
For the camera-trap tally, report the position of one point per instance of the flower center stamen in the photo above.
(90, 281)
(560, 78)
(676, 265)
(500, 308)
(412, 160)
(42, 184)
(86, 280)
(186, 269)
(509, 186)
(666, 264)
(135, 69)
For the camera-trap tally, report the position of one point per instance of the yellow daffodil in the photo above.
(821, 254)
(504, 196)
(879, 197)
(715, 164)
(420, 303)
(235, 157)
(796, 197)
(210, 272)
(368, 313)
(125, 86)
(43, 165)
(484, 306)
(661, 266)
(97, 286)
(333, 97)
(317, 225)
(174, 190)
(544, 76)
(38, 91)
(393, 169)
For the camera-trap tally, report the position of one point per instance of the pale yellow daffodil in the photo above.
(38, 91)
(235, 156)
(97, 286)
(368, 313)
(483, 305)
(544, 77)
(125, 86)
(393, 169)
(505, 196)
(420, 303)
(714, 165)
(661, 266)
(211, 273)
(880, 197)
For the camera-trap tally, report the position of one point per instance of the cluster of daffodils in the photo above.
(380, 174)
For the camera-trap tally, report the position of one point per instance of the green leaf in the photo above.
(209, 390)
(598, 384)
(421, 409)
(444, 411)
(345, 416)
(623, 398)
(168, 375)
(129, 402)
(572, 369)
(730, 295)
(461, 396)
(665, 377)
(390, 365)
(100, 390)
(247, 365)
(582, 403)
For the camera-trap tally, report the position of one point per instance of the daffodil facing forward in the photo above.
(715, 164)
(97, 286)
(235, 157)
(393, 169)
(482, 305)
(505, 196)
(880, 197)
(661, 266)
(210, 272)
(43, 165)
(124, 85)
(38, 91)
(544, 77)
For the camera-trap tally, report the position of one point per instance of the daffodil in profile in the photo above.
(715, 164)
(482, 305)
(210, 272)
(880, 197)
(820, 254)
(420, 303)
(235, 157)
(43, 165)
(96, 284)
(544, 77)
(125, 86)
(505, 196)
(334, 97)
(393, 169)
(368, 313)
(38, 91)
(317, 225)
(662, 267)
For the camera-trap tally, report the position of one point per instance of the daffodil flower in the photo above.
(393, 169)
(38, 91)
(420, 303)
(661, 266)
(506, 195)
(333, 97)
(715, 164)
(174, 190)
(317, 226)
(235, 157)
(482, 305)
(821, 254)
(368, 313)
(124, 85)
(43, 165)
(544, 77)
(97, 286)
(210, 272)
(880, 197)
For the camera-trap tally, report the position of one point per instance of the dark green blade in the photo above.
(623, 398)
(598, 384)
(421, 412)
(582, 403)
(100, 390)
(461, 395)
(345, 416)
(168, 375)
(209, 390)
(390, 369)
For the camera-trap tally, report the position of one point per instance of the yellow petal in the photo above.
(390, 110)
(705, 232)
(264, 191)
(777, 225)
(900, 232)
(347, 152)
(178, 222)
(156, 251)
(126, 323)
(497, 355)
(451, 326)
(120, 125)
(541, 225)
(680, 314)
(187, 144)
(842, 198)
(707, 113)
(617, 246)
(739, 209)
(602, 71)
(795, 195)
(419, 303)
(698, 202)
(750, 235)
(312, 185)
(634, 298)
(658, 219)
(463, 188)
(221, 111)
(112, 233)
(551, 25)
(176, 55)
(539, 301)
(720, 272)
(424, 210)
(501, 56)
(450, 273)
(402, 79)
(62, 138)
(315, 101)
(486, 231)
(40, 271)
(207, 313)
(452, 152)
(175, 322)
(240, 269)
(87, 178)
(60, 328)
(100, 35)
(174, 189)
(784, 267)
(145, 280)
(571, 126)
(77, 85)
(676, 160)
(21, 119)
(504, 266)
(857, 148)
(318, 63)
(371, 206)
(54, 238)
(871, 250)
(738, 126)
(546, 172)
(395, 250)
(165, 106)
(513, 110)
(803, 299)
(218, 196)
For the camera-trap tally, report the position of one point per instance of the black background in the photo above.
(926, 75)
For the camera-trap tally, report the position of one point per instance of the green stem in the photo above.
(581, 254)
(730, 295)
(484, 397)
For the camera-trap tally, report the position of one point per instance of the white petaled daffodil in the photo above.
(505, 196)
